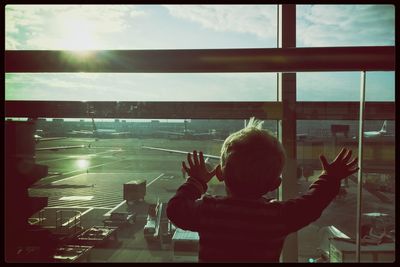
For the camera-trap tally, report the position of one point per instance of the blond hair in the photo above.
(251, 160)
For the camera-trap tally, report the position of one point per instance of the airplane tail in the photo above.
(383, 130)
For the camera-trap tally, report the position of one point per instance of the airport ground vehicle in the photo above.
(134, 191)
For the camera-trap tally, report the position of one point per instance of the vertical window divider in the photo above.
(360, 162)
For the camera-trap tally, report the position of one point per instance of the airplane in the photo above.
(188, 134)
(375, 134)
(99, 133)
(56, 148)
(207, 158)
(381, 132)
(39, 139)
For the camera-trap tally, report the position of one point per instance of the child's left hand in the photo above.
(197, 168)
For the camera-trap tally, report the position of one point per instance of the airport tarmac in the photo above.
(90, 180)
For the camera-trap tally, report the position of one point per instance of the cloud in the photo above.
(41, 26)
(137, 13)
(259, 20)
(345, 25)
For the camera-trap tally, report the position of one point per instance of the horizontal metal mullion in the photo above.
(344, 110)
(197, 110)
(145, 110)
(377, 58)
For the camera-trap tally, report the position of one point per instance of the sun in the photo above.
(82, 163)
(76, 33)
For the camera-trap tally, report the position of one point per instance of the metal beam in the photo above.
(197, 110)
(286, 59)
(344, 110)
(360, 166)
(145, 110)
(288, 189)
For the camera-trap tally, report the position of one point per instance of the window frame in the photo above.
(285, 60)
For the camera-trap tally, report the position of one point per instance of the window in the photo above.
(176, 54)
(327, 137)
(344, 86)
(142, 86)
(344, 25)
(81, 27)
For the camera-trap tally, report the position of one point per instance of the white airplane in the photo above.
(100, 133)
(39, 139)
(381, 132)
(189, 134)
(207, 157)
(56, 148)
(374, 134)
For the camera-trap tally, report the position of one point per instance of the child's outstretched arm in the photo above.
(183, 208)
(301, 211)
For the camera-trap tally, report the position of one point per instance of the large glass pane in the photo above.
(344, 25)
(92, 182)
(339, 218)
(80, 27)
(141, 87)
(344, 86)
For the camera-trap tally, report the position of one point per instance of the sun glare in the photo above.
(76, 33)
(82, 163)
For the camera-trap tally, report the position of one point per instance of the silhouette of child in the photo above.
(244, 226)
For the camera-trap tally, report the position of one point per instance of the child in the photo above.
(243, 226)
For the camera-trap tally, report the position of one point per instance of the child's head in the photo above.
(252, 160)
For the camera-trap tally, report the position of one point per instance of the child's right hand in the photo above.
(197, 169)
(341, 167)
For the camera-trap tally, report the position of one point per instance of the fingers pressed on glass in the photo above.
(354, 161)
(195, 158)
(352, 171)
(201, 159)
(189, 159)
(347, 156)
(341, 154)
(324, 162)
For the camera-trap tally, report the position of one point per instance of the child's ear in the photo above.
(276, 184)
(219, 173)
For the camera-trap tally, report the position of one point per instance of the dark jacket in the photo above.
(246, 230)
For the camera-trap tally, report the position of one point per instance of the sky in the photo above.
(80, 27)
